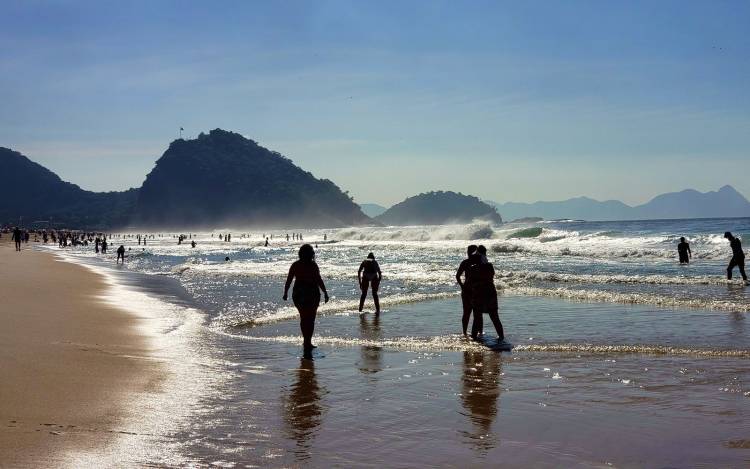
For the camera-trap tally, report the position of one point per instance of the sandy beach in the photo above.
(71, 365)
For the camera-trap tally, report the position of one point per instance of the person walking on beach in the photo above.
(484, 293)
(466, 288)
(120, 254)
(306, 293)
(16, 236)
(738, 256)
(369, 275)
(683, 251)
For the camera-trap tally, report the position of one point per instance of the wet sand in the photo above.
(71, 365)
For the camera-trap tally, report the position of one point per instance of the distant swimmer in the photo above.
(466, 288)
(192, 243)
(369, 275)
(266, 242)
(738, 256)
(306, 293)
(120, 254)
(484, 293)
(683, 251)
(16, 236)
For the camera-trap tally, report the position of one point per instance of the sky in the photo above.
(508, 101)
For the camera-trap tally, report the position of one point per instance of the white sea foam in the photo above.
(602, 296)
(459, 343)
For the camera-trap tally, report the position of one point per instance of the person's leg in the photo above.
(365, 285)
(307, 325)
(466, 303)
(741, 265)
(477, 325)
(498, 325)
(732, 263)
(375, 298)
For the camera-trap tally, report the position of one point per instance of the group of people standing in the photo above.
(476, 277)
(738, 255)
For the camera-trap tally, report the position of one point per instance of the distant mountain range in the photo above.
(218, 179)
(372, 210)
(224, 179)
(724, 203)
(438, 208)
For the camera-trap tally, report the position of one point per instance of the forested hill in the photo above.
(224, 178)
(32, 193)
(437, 208)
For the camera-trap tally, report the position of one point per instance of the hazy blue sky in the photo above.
(508, 101)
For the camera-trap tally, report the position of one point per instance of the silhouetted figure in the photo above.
(226, 259)
(266, 242)
(287, 237)
(683, 251)
(738, 257)
(466, 289)
(484, 293)
(120, 254)
(192, 243)
(104, 246)
(325, 237)
(369, 275)
(306, 293)
(17, 235)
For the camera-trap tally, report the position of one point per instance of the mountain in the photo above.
(37, 194)
(372, 210)
(726, 202)
(220, 178)
(223, 178)
(438, 208)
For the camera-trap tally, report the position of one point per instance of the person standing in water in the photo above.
(466, 289)
(484, 293)
(683, 251)
(369, 274)
(120, 254)
(738, 256)
(306, 293)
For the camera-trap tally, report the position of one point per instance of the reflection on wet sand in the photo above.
(372, 360)
(480, 393)
(302, 408)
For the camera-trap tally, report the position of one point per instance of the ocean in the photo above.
(623, 356)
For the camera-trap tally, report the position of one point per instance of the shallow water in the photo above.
(622, 357)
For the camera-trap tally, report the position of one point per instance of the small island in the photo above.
(439, 208)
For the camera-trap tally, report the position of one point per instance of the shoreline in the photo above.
(74, 366)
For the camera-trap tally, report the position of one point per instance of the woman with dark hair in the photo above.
(306, 292)
(369, 274)
(484, 293)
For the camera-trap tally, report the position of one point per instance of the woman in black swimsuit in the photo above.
(306, 292)
(369, 274)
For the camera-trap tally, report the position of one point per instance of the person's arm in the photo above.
(289, 278)
(359, 274)
(690, 253)
(321, 285)
(461, 269)
(380, 274)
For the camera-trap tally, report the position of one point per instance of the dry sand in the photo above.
(70, 366)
